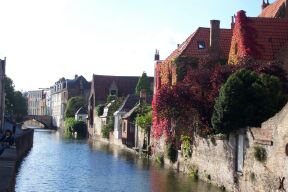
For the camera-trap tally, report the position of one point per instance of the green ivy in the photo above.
(182, 63)
(186, 146)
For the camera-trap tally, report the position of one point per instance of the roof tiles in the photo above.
(272, 10)
(269, 41)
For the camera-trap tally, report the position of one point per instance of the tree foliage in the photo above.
(20, 107)
(143, 83)
(247, 99)
(71, 126)
(145, 121)
(15, 102)
(73, 105)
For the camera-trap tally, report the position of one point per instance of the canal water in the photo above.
(57, 164)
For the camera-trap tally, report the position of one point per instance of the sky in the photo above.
(44, 40)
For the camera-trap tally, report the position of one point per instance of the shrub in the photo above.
(106, 129)
(186, 146)
(159, 159)
(193, 173)
(144, 121)
(68, 126)
(71, 126)
(172, 152)
(99, 110)
(260, 153)
(247, 99)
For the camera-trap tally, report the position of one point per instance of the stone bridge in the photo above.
(46, 120)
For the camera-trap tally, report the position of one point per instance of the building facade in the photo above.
(36, 102)
(62, 91)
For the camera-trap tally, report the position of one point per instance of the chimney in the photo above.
(143, 96)
(214, 35)
(76, 76)
(232, 22)
(156, 56)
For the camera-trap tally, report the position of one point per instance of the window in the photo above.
(113, 92)
(201, 45)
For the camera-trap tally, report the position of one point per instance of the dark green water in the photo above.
(57, 164)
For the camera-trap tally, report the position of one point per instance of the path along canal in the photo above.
(57, 164)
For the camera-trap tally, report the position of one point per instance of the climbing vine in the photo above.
(243, 41)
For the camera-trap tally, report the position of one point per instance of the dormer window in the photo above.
(113, 92)
(201, 45)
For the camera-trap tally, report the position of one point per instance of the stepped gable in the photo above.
(273, 10)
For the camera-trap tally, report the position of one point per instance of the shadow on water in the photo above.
(161, 179)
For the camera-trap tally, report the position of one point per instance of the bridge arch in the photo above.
(46, 120)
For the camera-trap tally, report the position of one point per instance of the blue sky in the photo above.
(45, 40)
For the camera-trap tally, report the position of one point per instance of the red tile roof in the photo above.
(271, 36)
(272, 10)
(125, 84)
(190, 46)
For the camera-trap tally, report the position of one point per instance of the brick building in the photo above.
(103, 86)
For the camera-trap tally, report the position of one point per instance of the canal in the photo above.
(58, 164)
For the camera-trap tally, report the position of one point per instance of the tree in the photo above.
(9, 98)
(143, 83)
(73, 105)
(247, 99)
(20, 107)
(15, 102)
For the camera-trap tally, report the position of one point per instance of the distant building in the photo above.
(36, 102)
(2, 92)
(81, 114)
(62, 91)
(103, 86)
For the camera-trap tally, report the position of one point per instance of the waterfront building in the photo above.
(62, 91)
(36, 102)
(103, 86)
(81, 114)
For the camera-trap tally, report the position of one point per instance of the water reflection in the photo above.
(57, 164)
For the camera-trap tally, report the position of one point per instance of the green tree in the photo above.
(143, 83)
(247, 99)
(106, 129)
(15, 102)
(20, 107)
(9, 95)
(73, 105)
